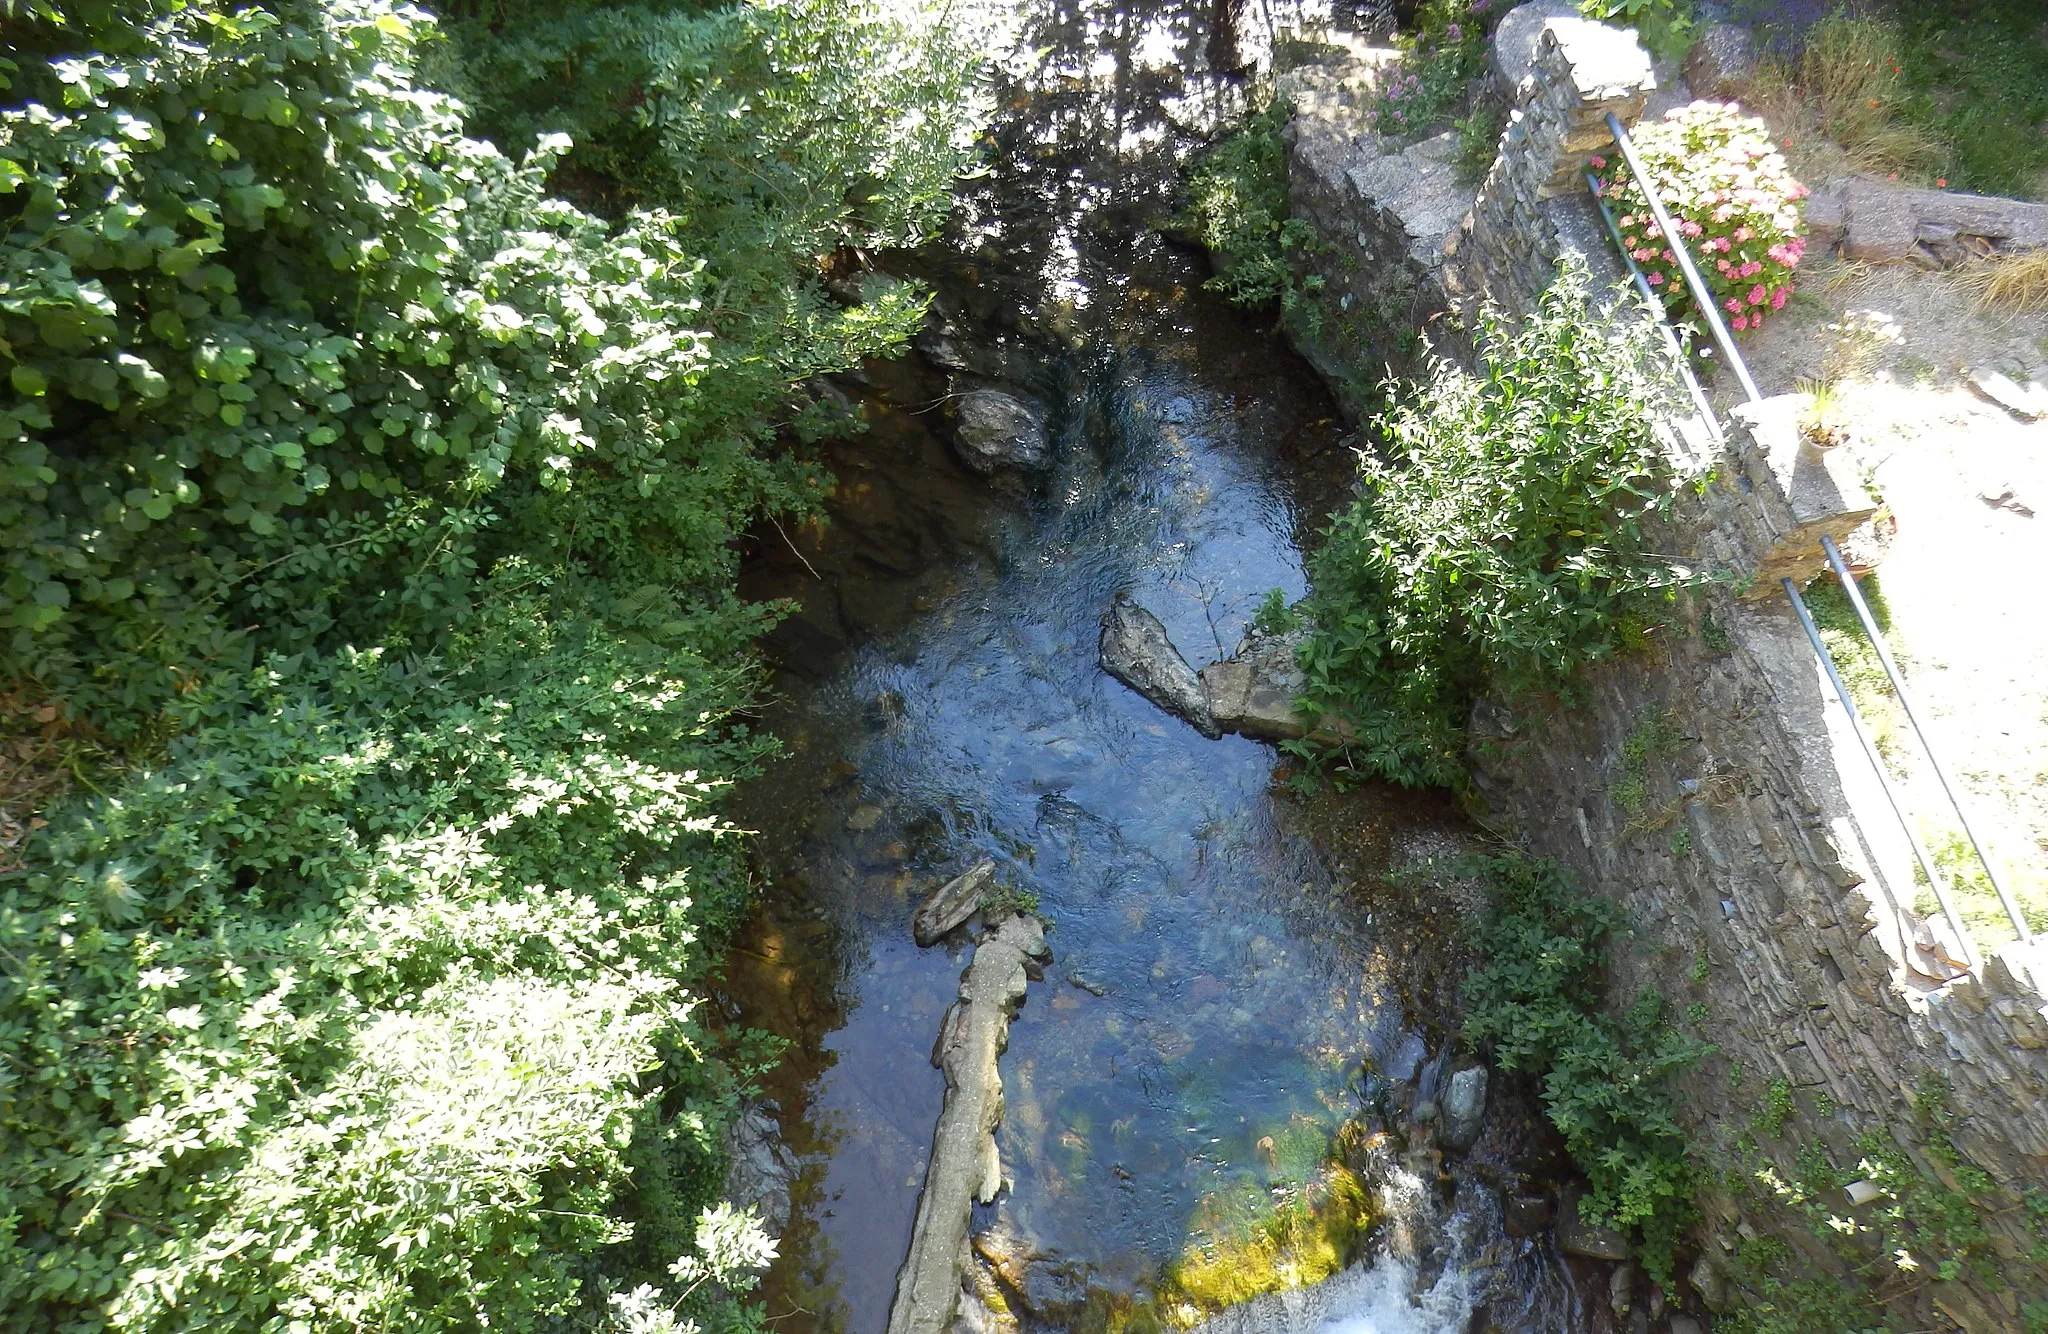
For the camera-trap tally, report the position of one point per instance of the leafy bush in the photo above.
(1236, 208)
(359, 1008)
(1499, 543)
(770, 133)
(1728, 190)
(375, 512)
(1535, 1003)
(1667, 26)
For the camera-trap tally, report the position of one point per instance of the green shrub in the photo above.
(1499, 542)
(1535, 1002)
(1236, 208)
(1667, 26)
(375, 514)
(1734, 201)
(352, 1011)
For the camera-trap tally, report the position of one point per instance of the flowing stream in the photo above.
(1235, 980)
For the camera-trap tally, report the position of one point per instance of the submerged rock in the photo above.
(760, 1168)
(1464, 1108)
(1136, 651)
(1525, 1215)
(998, 430)
(951, 904)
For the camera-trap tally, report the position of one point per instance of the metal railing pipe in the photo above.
(1920, 853)
(1891, 671)
(1642, 282)
(1698, 285)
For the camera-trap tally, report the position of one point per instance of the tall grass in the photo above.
(1839, 103)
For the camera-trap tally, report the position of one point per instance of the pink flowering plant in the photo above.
(1443, 54)
(1734, 200)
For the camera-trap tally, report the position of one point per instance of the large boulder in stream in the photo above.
(995, 430)
(1464, 1108)
(1252, 692)
(1136, 651)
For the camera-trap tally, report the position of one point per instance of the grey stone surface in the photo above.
(1252, 692)
(951, 904)
(972, 1035)
(994, 430)
(1136, 651)
(1608, 65)
(1464, 1108)
(1881, 221)
(1878, 224)
(760, 1168)
(1721, 62)
(1826, 216)
(1800, 493)
(1514, 40)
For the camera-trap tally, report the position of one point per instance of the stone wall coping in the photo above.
(1608, 63)
(1516, 35)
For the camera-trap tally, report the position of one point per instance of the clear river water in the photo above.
(1234, 977)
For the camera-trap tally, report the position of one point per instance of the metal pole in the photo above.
(1692, 382)
(1891, 671)
(1920, 853)
(1700, 295)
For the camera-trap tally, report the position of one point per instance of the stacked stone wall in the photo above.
(1746, 845)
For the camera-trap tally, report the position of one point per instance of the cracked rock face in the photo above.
(952, 904)
(1136, 651)
(996, 430)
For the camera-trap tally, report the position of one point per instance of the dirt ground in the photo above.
(1966, 481)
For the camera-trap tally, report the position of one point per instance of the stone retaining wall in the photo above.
(1734, 846)
(1709, 787)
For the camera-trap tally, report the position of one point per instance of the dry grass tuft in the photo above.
(2009, 284)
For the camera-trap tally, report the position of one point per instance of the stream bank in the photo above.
(1873, 1126)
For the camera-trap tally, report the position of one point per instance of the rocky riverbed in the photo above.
(1240, 1072)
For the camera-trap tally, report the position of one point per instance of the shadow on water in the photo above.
(1226, 964)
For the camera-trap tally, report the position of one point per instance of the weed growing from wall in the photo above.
(1536, 1003)
(1236, 207)
(1500, 540)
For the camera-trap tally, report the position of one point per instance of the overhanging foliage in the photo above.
(378, 508)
